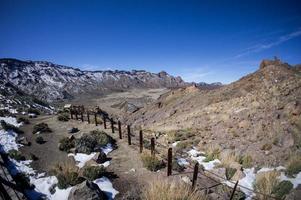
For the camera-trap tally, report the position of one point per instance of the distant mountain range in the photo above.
(52, 82)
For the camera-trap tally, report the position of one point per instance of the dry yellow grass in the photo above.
(170, 190)
(265, 183)
(228, 158)
(66, 167)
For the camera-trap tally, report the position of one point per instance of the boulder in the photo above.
(100, 157)
(87, 190)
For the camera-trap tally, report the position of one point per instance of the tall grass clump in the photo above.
(213, 152)
(293, 165)
(150, 162)
(265, 183)
(170, 190)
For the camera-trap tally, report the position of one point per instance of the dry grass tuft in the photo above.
(212, 152)
(293, 165)
(228, 158)
(170, 190)
(265, 183)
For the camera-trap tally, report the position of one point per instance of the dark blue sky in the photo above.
(199, 40)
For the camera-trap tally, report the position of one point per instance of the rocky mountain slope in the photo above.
(260, 114)
(51, 82)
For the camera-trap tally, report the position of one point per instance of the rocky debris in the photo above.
(295, 194)
(73, 130)
(100, 157)
(87, 190)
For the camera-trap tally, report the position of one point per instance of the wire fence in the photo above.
(126, 132)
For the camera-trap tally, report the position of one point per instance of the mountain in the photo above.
(52, 82)
(259, 114)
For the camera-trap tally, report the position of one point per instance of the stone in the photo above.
(87, 190)
(100, 157)
(73, 130)
(186, 179)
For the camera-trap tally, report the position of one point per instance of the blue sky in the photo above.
(199, 40)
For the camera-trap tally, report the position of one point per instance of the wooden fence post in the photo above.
(153, 146)
(119, 130)
(112, 125)
(233, 192)
(71, 113)
(76, 116)
(141, 140)
(82, 116)
(129, 134)
(95, 118)
(169, 162)
(195, 175)
(88, 117)
(104, 122)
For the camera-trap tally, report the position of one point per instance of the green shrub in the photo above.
(282, 189)
(246, 161)
(7, 127)
(93, 172)
(293, 165)
(22, 181)
(66, 144)
(14, 154)
(23, 119)
(68, 179)
(212, 153)
(42, 128)
(63, 117)
(152, 163)
(230, 173)
(101, 138)
(40, 140)
(33, 110)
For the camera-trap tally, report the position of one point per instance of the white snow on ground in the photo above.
(175, 144)
(295, 181)
(207, 165)
(105, 185)
(182, 161)
(8, 141)
(82, 158)
(11, 120)
(194, 153)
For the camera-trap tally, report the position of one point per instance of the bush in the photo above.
(33, 110)
(22, 181)
(66, 144)
(102, 139)
(265, 183)
(293, 165)
(67, 174)
(40, 140)
(7, 127)
(23, 119)
(63, 117)
(167, 190)
(42, 128)
(230, 173)
(212, 153)
(246, 161)
(282, 189)
(93, 172)
(14, 154)
(152, 163)
(266, 147)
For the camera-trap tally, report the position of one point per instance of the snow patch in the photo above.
(8, 141)
(11, 120)
(82, 158)
(105, 185)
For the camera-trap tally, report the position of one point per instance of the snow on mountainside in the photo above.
(52, 82)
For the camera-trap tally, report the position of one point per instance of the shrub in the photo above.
(183, 145)
(266, 147)
(63, 117)
(33, 110)
(176, 166)
(66, 144)
(228, 158)
(33, 157)
(230, 172)
(7, 127)
(22, 181)
(14, 154)
(67, 174)
(40, 140)
(265, 183)
(23, 119)
(212, 153)
(42, 128)
(170, 190)
(293, 165)
(93, 172)
(282, 189)
(152, 163)
(246, 161)
(101, 138)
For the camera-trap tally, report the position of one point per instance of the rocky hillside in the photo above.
(259, 114)
(51, 82)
